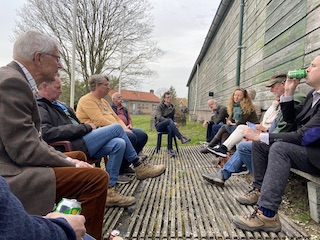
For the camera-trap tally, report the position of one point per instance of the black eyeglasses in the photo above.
(58, 58)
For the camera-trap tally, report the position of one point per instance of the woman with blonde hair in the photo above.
(240, 110)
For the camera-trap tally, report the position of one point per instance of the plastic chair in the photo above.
(159, 139)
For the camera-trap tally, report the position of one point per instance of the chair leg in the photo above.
(159, 142)
(175, 142)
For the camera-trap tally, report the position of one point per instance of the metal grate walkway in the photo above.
(180, 205)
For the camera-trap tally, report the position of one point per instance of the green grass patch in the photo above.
(193, 130)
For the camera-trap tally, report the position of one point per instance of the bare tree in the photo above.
(100, 25)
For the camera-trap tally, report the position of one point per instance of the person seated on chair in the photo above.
(272, 122)
(124, 115)
(218, 118)
(37, 174)
(240, 110)
(58, 122)
(93, 108)
(164, 121)
(16, 223)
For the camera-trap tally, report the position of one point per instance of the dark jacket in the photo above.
(164, 112)
(16, 223)
(304, 118)
(252, 117)
(220, 116)
(56, 125)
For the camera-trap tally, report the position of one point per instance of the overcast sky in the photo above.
(180, 29)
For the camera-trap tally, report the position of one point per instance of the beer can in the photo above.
(114, 233)
(69, 206)
(301, 73)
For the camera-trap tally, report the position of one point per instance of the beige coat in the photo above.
(26, 161)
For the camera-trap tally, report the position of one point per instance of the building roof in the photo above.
(183, 101)
(136, 95)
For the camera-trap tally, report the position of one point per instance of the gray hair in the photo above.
(114, 95)
(30, 42)
(97, 79)
(39, 86)
(212, 100)
(252, 93)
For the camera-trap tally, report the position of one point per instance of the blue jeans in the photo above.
(169, 127)
(241, 156)
(212, 130)
(113, 141)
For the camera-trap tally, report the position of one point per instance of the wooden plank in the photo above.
(286, 17)
(313, 178)
(181, 205)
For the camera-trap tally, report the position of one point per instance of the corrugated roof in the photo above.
(136, 95)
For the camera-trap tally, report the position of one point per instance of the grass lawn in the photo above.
(193, 130)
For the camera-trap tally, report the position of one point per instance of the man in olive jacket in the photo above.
(33, 170)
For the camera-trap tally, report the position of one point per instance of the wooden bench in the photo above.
(313, 193)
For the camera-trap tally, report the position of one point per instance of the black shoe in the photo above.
(142, 157)
(204, 150)
(171, 153)
(128, 171)
(123, 179)
(216, 178)
(241, 171)
(184, 140)
(221, 151)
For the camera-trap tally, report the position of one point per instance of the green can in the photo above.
(69, 206)
(301, 73)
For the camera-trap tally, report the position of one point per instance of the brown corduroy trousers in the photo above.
(77, 155)
(89, 186)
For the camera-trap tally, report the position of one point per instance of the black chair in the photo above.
(159, 139)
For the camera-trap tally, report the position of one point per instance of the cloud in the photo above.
(180, 30)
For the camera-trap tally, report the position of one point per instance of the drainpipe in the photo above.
(196, 97)
(239, 43)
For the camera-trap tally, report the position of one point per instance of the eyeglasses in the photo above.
(58, 58)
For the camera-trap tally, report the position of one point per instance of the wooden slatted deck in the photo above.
(180, 205)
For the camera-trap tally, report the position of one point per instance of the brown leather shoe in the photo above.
(144, 171)
(249, 198)
(116, 199)
(258, 222)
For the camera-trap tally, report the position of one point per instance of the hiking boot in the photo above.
(123, 179)
(216, 178)
(171, 153)
(249, 198)
(127, 171)
(116, 199)
(258, 222)
(144, 171)
(184, 140)
(220, 151)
